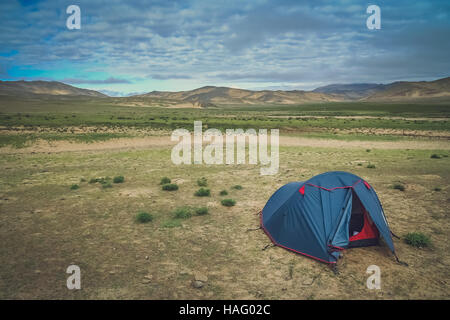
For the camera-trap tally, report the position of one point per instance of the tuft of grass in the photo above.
(368, 150)
(182, 213)
(170, 187)
(437, 189)
(371, 166)
(82, 180)
(118, 179)
(237, 187)
(165, 180)
(202, 192)
(228, 202)
(171, 223)
(74, 187)
(202, 182)
(201, 211)
(435, 156)
(103, 181)
(398, 186)
(106, 185)
(417, 239)
(143, 217)
(223, 192)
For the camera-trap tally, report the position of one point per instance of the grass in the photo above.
(223, 193)
(170, 187)
(202, 192)
(173, 223)
(201, 211)
(417, 239)
(104, 181)
(435, 156)
(47, 240)
(165, 180)
(118, 179)
(371, 166)
(109, 113)
(202, 182)
(182, 213)
(107, 185)
(74, 187)
(228, 202)
(437, 189)
(143, 217)
(237, 187)
(398, 186)
(21, 140)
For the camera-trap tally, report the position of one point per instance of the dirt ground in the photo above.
(45, 226)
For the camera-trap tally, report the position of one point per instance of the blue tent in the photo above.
(328, 213)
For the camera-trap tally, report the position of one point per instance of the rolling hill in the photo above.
(352, 91)
(403, 90)
(211, 96)
(46, 88)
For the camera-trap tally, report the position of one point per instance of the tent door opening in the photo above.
(362, 230)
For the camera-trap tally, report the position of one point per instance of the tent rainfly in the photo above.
(328, 213)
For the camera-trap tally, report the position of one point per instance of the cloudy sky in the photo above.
(133, 46)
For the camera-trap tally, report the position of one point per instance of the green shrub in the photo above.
(165, 180)
(118, 179)
(144, 217)
(371, 166)
(202, 192)
(106, 185)
(201, 211)
(170, 187)
(182, 213)
(102, 180)
(74, 187)
(237, 187)
(417, 239)
(228, 202)
(367, 150)
(202, 182)
(435, 156)
(171, 223)
(223, 192)
(398, 186)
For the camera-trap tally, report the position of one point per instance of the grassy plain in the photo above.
(45, 226)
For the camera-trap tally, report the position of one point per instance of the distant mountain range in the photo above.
(352, 91)
(210, 96)
(44, 88)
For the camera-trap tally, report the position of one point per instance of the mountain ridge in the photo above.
(208, 96)
(47, 88)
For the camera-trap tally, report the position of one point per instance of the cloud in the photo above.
(170, 76)
(109, 80)
(257, 43)
(113, 93)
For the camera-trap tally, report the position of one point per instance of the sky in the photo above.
(135, 46)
